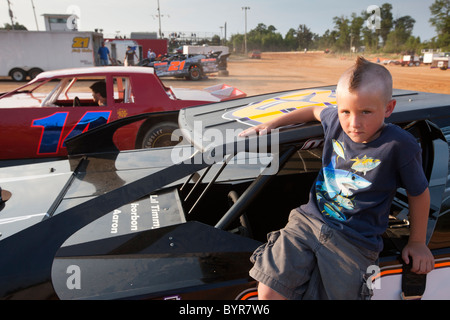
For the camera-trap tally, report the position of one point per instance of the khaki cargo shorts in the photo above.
(309, 260)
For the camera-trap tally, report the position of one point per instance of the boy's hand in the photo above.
(422, 259)
(301, 115)
(260, 129)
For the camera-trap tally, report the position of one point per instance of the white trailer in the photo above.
(118, 48)
(441, 62)
(205, 49)
(428, 57)
(27, 53)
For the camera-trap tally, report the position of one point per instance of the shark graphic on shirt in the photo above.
(341, 182)
(335, 187)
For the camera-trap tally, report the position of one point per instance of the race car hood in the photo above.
(197, 123)
(217, 93)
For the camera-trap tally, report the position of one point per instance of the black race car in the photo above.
(182, 222)
(190, 66)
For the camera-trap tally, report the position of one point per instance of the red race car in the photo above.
(37, 118)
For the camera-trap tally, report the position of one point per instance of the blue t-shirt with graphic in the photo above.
(355, 187)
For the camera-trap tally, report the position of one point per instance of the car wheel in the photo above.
(160, 135)
(195, 73)
(18, 74)
(34, 72)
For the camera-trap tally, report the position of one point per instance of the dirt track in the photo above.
(296, 70)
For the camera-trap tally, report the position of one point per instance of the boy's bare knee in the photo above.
(267, 293)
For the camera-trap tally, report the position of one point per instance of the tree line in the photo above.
(394, 35)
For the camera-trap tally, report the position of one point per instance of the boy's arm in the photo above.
(306, 114)
(416, 248)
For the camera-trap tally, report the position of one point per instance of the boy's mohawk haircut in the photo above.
(360, 67)
(366, 74)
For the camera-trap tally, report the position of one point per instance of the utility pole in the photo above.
(225, 36)
(245, 35)
(11, 15)
(34, 11)
(159, 17)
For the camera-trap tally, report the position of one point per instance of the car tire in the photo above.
(34, 72)
(18, 75)
(195, 73)
(160, 135)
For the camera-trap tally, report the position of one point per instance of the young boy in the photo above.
(326, 247)
(99, 93)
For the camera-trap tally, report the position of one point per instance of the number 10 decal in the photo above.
(54, 125)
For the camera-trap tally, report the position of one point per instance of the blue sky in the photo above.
(208, 16)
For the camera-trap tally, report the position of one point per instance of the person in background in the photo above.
(99, 93)
(103, 52)
(129, 56)
(151, 55)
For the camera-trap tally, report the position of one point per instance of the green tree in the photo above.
(369, 39)
(272, 42)
(215, 40)
(304, 37)
(404, 27)
(290, 39)
(387, 21)
(413, 45)
(237, 43)
(327, 40)
(356, 25)
(265, 38)
(440, 20)
(17, 26)
(341, 25)
(398, 39)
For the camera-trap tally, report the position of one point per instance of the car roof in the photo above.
(90, 71)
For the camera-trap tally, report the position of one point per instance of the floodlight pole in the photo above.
(11, 15)
(34, 11)
(159, 18)
(245, 35)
